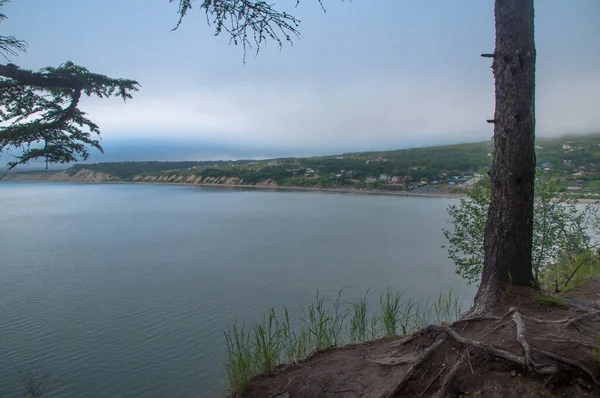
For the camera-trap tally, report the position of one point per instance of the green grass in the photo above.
(325, 323)
(569, 275)
(544, 299)
(447, 308)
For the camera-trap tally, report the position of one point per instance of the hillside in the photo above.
(572, 159)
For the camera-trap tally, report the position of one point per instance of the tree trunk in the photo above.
(509, 228)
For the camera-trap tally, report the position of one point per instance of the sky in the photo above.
(366, 75)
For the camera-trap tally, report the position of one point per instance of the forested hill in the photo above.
(572, 158)
(419, 162)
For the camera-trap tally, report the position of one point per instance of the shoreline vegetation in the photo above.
(363, 346)
(329, 322)
(440, 171)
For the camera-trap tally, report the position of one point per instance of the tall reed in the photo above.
(325, 323)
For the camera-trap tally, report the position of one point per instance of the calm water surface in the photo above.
(123, 290)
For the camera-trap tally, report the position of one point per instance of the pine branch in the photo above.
(9, 44)
(247, 22)
(40, 111)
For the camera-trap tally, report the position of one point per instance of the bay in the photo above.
(118, 290)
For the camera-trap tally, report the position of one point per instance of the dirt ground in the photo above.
(519, 349)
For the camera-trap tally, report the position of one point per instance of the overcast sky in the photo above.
(368, 74)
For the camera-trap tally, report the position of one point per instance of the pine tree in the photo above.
(39, 113)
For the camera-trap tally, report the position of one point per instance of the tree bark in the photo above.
(509, 228)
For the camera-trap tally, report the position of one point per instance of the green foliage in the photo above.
(359, 320)
(323, 324)
(267, 342)
(127, 170)
(465, 240)
(39, 112)
(431, 162)
(568, 274)
(549, 301)
(560, 230)
(41, 116)
(447, 308)
(395, 314)
(240, 366)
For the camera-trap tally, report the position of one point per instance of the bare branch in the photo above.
(247, 22)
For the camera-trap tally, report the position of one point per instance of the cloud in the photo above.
(356, 110)
(360, 112)
(568, 105)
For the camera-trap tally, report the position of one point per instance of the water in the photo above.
(123, 290)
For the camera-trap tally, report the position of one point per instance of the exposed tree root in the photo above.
(583, 305)
(390, 362)
(435, 361)
(520, 325)
(447, 385)
(433, 379)
(414, 368)
(581, 317)
(476, 318)
(522, 361)
(500, 326)
(571, 363)
(556, 339)
(566, 321)
(407, 339)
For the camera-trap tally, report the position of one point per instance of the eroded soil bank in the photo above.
(521, 348)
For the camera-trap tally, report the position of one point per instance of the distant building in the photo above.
(567, 146)
(370, 180)
(273, 163)
(574, 188)
(384, 177)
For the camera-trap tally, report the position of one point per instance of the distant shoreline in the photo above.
(353, 191)
(447, 195)
(312, 189)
